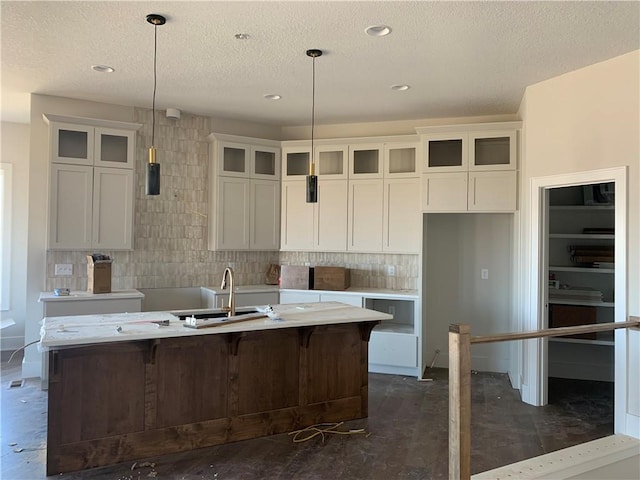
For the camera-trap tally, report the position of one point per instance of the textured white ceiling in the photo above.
(460, 58)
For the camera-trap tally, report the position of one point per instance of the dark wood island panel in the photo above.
(115, 402)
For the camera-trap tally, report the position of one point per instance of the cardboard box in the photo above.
(572, 315)
(331, 278)
(296, 277)
(98, 275)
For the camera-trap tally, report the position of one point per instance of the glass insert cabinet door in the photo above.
(446, 153)
(494, 150)
(113, 148)
(72, 144)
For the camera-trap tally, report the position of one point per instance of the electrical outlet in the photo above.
(391, 270)
(63, 269)
(392, 310)
(484, 274)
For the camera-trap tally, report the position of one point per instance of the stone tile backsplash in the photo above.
(170, 230)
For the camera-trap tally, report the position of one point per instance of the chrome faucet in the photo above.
(231, 309)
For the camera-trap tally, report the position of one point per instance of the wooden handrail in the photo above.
(556, 332)
(460, 341)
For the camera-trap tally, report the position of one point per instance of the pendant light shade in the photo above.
(152, 183)
(312, 178)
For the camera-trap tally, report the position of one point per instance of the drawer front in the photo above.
(397, 349)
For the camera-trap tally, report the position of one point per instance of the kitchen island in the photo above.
(124, 388)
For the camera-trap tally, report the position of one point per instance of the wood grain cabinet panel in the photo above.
(117, 402)
(191, 380)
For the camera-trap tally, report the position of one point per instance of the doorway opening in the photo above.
(580, 264)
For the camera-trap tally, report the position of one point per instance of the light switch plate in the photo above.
(63, 269)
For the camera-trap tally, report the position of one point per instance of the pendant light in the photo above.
(312, 179)
(152, 184)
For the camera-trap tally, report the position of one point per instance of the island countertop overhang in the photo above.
(61, 332)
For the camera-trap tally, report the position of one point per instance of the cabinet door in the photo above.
(445, 153)
(114, 148)
(402, 216)
(232, 213)
(232, 159)
(365, 161)
(295, 163)
(331, 162)
(265, 162)
(298, 297)
(70, 206)
(331, 216)
(444, 192)
(265, 215)
(400, 160)
(495, 150)
(365, 216)
(112, 209)
(297, 217)
(492, 191)
(71, 144)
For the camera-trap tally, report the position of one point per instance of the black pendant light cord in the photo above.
(313, 104)
(153, 112)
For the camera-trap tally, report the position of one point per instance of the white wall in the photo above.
(456, 248)
(15, 150)
(586, 120)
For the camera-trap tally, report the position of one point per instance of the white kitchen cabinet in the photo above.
(318, 226)
(232, 213)
(70, 206)
(330, 216)
(474, 191)
(294, 296)
(365, 211)
(245, 193)
(401, 160)
(297, 218)
(470, 168)
(444, 192)
(264, 215)
(351, 213)
(492, 191)
(112, 227)
(365, 161)
(331, 162)
(402, 218)
(446, 152)
(79, 141)
(246, 160)
(493, 150)
(295, 162)
(91, 183)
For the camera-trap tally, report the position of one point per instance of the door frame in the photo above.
(535, 351)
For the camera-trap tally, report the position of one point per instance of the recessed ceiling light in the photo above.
(378, 30)
(272, 96)
(400, 88)
(242, 36)
(103, 68)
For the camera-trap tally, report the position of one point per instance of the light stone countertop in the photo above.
(60, 332)
(82, 295)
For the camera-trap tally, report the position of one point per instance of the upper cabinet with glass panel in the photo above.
(244, 157)
(494, 150)
(473, 147)
(87, 141)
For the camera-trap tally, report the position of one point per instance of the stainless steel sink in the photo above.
(207, 314)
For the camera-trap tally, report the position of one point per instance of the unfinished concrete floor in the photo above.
(407, 428)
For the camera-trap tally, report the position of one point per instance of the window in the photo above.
(5, 237)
